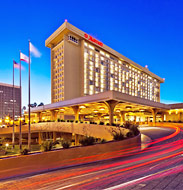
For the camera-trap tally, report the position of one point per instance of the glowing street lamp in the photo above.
(82, 106)
(102, 108)
(62, 109)
(118, 110)
(7, 145)
(7, 119)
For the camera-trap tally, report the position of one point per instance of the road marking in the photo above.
(127, 183)
(66, 186)
(138, 179)
(142, 184)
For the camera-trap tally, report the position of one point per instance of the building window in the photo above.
(97, 50)
(73, 39)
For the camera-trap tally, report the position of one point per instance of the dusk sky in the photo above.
(149, 32)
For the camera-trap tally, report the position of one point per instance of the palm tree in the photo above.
(35, 104)
(41, 104)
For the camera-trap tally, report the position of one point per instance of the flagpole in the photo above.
(29, 129)
(13, 134)
(20, 128)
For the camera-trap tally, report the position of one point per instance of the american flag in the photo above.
(16, 65)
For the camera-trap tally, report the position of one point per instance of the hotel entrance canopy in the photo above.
(123, 99)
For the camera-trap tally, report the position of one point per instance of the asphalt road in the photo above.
(152, 168)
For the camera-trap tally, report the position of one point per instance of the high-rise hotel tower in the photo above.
(82, 65)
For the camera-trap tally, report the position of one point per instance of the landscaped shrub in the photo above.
(55, 143)
(118, 136)
(134, 129)
(129, 134)
(117, 133)
(87, 141)
(58, 119)
(25, 151)
(76, 121)
(92, 122)
(1, 141)
(101, 123)
(102, 141)
(66, 144)
(47, 145)
(2, 152)
(127, 125)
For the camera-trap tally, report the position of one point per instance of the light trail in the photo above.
(136, 166)
(109, 172)
(177, 131)
(113, 165)
(124, 152)
(110, 179)
(149, 177)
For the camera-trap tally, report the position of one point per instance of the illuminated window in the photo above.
(91, 47)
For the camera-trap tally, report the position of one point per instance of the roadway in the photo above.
(153, 168)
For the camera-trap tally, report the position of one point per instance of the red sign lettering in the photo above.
(93, 39)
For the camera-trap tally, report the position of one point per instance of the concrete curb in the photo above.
(145, 141)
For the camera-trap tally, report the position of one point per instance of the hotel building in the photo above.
(82, 65)
(91, 81)
(6, 100)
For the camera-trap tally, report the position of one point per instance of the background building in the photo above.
(6, 100)
(82, 65)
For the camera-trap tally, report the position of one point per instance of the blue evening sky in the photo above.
(150, 32)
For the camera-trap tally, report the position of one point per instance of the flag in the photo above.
(15, 64)
(34, 51)
(23, 57)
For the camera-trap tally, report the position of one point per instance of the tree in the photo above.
(41, 104)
